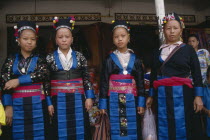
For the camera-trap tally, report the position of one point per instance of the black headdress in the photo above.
(64, 23)
(120, 23)
(23, 25)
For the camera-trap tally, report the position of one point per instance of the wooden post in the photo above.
(160, 13)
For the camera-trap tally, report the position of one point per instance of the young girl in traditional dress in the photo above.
(122, 87)
(23, 93)
(71, 89)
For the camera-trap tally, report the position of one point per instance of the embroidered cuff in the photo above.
(48, 99)
(102, 103)
(25, 79)
(151, 92)
(89, 94)
(141, 101)
(7, 99)
(198, 91)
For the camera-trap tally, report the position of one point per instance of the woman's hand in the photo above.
(149, 102)
(9, 115)
(103, 111)
(51, 110)
(140, 110)
(198, 104)
(88, 104)
(11, 84)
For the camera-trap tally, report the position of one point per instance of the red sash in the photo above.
(173, 81)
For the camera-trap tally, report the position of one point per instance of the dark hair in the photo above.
(193, 35)
(208, 72)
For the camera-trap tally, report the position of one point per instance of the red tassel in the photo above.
(37, 30)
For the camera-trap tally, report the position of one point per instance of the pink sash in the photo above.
(122, 87)
(28, 91)
(67, 86)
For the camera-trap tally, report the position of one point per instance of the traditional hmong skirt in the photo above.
(70, 121)
(124, 120)
(28, 116)
(175, 108)
(206, 101)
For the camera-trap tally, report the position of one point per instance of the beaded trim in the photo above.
(26, 27)
(63, 26)
(123, 26)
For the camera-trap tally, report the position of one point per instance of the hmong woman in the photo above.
(122, 87)
(176, 96)
(203, 56)
(71, 89)
(23, 96)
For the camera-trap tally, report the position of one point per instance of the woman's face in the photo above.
(193, 42)
(64, 38)
(172, 31)
(27, 40)
(121, 37)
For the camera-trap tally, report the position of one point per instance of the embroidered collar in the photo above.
(60, 52)
(127, 51)
(167, 45)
